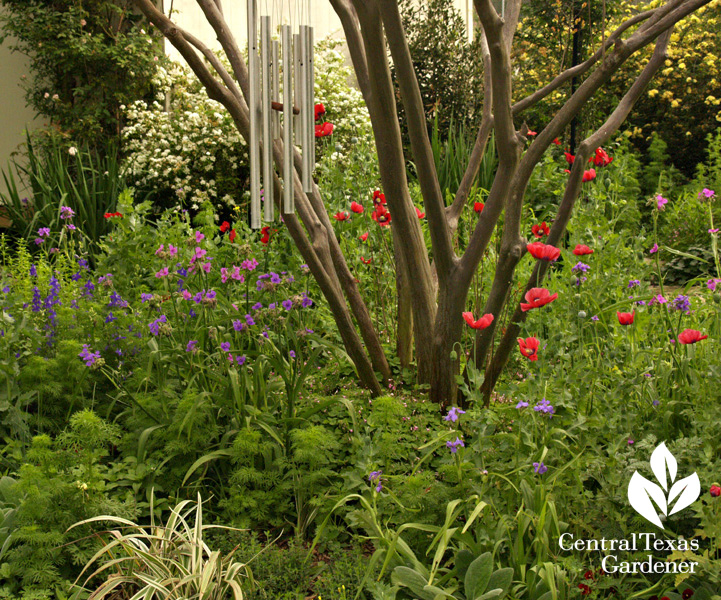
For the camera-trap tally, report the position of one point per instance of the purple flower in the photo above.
(287, 304)
(240, 360)
(539, 468)
(249, 320)
(257, 306)
(116, 301)
(191, 346)
(89, 288)
(44, 232)
(154, 326)
(33, 271)
(375, 477)
(88, 356)
(453, 446)
(453, 414)
(145, 297)
(594, 318)
(580, 268)
(545, 407)
(275, 278)
(39, 241)
(657, 299)
(712, 284)
(249, 264)
(238, 325)
(653, 249)
(661, 202)
(634, 283)
(162, 273)
(66, 212)
(71, 227)
(681, 303)
(199, 237)
(110, 318)
(522, 404)
(291, 353)
(306, 302)
(225, 346)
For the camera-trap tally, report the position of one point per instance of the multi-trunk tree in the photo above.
(434, 282)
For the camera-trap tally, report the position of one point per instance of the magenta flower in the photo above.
(661, 202)
(162, 273)
(706, 193)
(654, 249)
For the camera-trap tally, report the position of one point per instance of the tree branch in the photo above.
(351, 28)
(420, 144)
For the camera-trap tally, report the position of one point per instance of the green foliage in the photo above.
(87, 59)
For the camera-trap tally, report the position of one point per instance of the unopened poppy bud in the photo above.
(354, 140)
(581, 314)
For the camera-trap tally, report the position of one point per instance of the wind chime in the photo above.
(297, 107)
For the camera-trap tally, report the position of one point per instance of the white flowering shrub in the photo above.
(183, 147)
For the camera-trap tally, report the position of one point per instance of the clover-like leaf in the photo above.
(687, 490)
(662, 460)
(640, 493)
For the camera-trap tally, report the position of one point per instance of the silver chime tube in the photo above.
(253, 101)
(268, 172)
(275, 90)
(298, 87)
(311, 101)
(306, 111)
(288, 66)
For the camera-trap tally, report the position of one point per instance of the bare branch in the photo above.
(423, 155)
(349, 20)
(215, 63)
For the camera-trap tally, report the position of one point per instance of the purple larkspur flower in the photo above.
(375, 477)
(33, 271)
(453, 446)
(539, 468)
(145, 297)
(89, 356)
(681, 303)
(44, 232)
(110, 318)
(544, 406)
(522, 404)
(154, 326)
(116, 301)
(580, 267)
(70, 227)
(453, 414)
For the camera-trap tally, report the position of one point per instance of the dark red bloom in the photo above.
(537, 297)
(356, 208)
(588, 574)
(265, 237)
(419, 213)
(589, 175)
(569, 157)
(690, 336)
(363, 237)
(232, 235)
(585, 590)
(319, 111)
(557, 141)
(379, 197)
(602, 159)
(381, 215)
(481, 323)
(715, 491)
(582, 250)
(224, 226)
(324, 129)
(529, 347)
(341, 216)
(687, 593)
(626, 318)
(540, 230)
(543, 251)
(366, 261)
(478, 207)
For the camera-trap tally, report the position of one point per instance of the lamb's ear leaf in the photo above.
(640, 493)
(687, 489)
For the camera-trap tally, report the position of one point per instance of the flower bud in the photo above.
(581, 314)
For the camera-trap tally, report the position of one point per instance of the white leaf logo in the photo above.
(643, 494)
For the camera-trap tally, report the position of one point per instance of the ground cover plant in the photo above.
(183, 416)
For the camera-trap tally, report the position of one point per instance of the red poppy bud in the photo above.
(626, 318)
(363, 237)
(715, 491)
(589, 175)
(478, 207)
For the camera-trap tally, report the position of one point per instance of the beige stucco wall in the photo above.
(14, 115)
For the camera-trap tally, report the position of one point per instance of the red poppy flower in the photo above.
(265, 237)
(481, 323)
(543, 251)
(478, 207)
(379, 197)
(319, 111)
(567, 171)
(111, 215)
(589, 175)
(363, 237)
(715, 491)
(529, 347)
(232, 235)
(366, 261)
(690, 336)
(602, 159)
(419, 213)
(356, 208)
(687, 593)
(324, 129)
(341, 216)
(557, 141)
(582, 250)
(625, 318)
(224, 226)
(537, 297)
(569, 157)
(531, 133)
(540, 230)
(381, 215)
